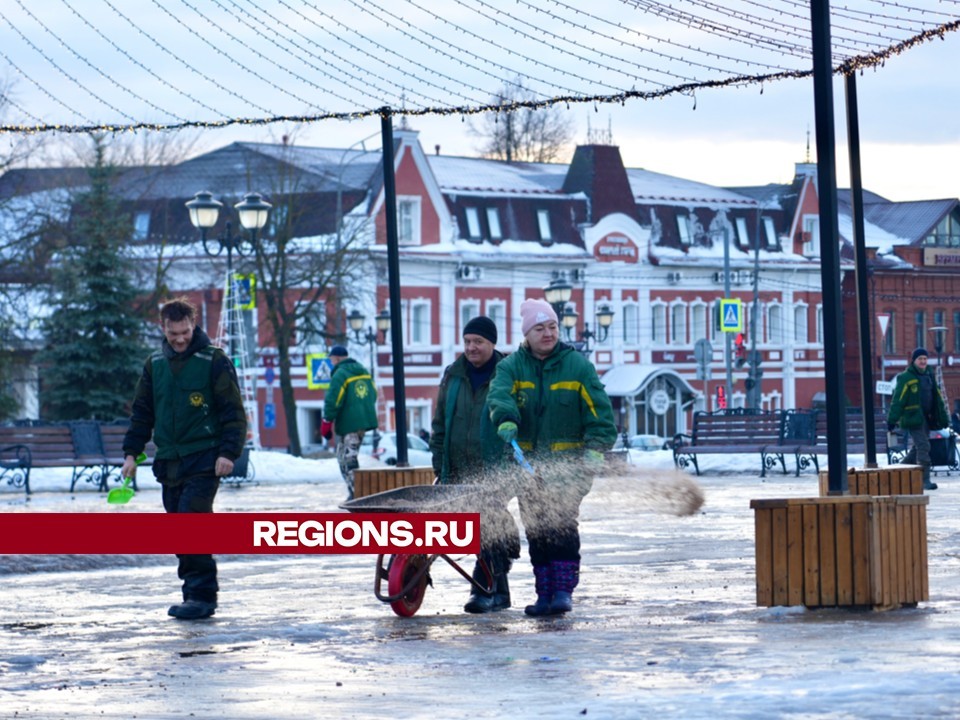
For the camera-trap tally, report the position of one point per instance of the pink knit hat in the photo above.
(534, 312)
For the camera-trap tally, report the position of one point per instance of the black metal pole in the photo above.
(860, 272)
(393, 273)
(829, 247)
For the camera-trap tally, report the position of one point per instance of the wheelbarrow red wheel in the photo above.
(402, 571)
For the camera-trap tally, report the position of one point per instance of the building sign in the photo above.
(942, 257)
(668, 357)
(616, 248)
(659, 402)
(412, 359)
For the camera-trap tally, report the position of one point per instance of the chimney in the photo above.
(436, 149)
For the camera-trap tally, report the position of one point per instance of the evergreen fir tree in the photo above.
(93, 354)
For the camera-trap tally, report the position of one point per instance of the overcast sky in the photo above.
(909, 109)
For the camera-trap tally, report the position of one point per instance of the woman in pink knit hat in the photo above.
(548, 397)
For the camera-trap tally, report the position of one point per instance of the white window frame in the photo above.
(678, 330)
(658, 323)
(801, 324)
(631, 323)
(699, 315)
(811, 229)
(473, 223)
(319, 308)
(420, 322)
(497, 311)
(819, 324)
(469, 309)
(408, 219)
(774, 328)
(493, 221)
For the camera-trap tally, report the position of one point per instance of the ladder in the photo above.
(943, 388)
(232, 337)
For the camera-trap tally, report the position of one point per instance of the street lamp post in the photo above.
(371, 337)
(205, 211)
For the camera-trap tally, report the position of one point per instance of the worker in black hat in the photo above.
(465, 448)
(349, 410)
(918, 408)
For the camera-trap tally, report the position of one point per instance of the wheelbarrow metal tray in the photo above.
(421, 498)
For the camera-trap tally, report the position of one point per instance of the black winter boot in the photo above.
(543, 581)
(500, 599)
(479, 601)
(927, 483)
(566, 576)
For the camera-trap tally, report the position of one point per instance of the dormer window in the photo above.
(543, 223)
(473, 223)
(683, 227)
(408, 220)
(493, 220)
(743, 236)
(770, 233)
(141, 226)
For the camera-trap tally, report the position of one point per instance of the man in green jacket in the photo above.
(465, 449)
(349, 410)
(548, 397)
(918, 408)
(189, 400)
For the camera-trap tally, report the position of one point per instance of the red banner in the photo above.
(238, 533)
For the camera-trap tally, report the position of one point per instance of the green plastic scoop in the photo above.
(123, 494)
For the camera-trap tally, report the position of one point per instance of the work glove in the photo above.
(891, 426)
(594, 459)
(507, 431)
(326, 429)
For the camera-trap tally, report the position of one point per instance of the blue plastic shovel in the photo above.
(518, 456)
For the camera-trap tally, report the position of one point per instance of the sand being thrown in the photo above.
(670, 492)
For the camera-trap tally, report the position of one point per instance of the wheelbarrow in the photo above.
(408, 575)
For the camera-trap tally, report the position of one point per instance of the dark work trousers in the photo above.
(921, 441)
(550, 512)
(198, 572)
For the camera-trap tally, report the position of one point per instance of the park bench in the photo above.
(810, 440)
(65, 445)
(727, 432)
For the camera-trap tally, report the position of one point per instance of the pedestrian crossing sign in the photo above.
(319, 369)
(731, 315)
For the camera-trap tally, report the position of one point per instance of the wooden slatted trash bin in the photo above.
(890, 480)
(368, 481)
(842, 551)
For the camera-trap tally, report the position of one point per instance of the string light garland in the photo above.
(561, 54)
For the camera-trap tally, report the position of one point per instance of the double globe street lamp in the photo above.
(558, 294)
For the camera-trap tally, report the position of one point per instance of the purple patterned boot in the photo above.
(566, 575)
(543, 581)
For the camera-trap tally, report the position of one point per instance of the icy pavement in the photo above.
(665, 625)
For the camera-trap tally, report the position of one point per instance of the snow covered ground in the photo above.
(665, 623)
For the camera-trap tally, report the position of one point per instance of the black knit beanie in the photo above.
(482, 326)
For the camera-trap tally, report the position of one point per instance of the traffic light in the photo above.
(741, 350)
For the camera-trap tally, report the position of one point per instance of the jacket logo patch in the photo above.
(521, 399)
(361, 390)
(196, 399)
